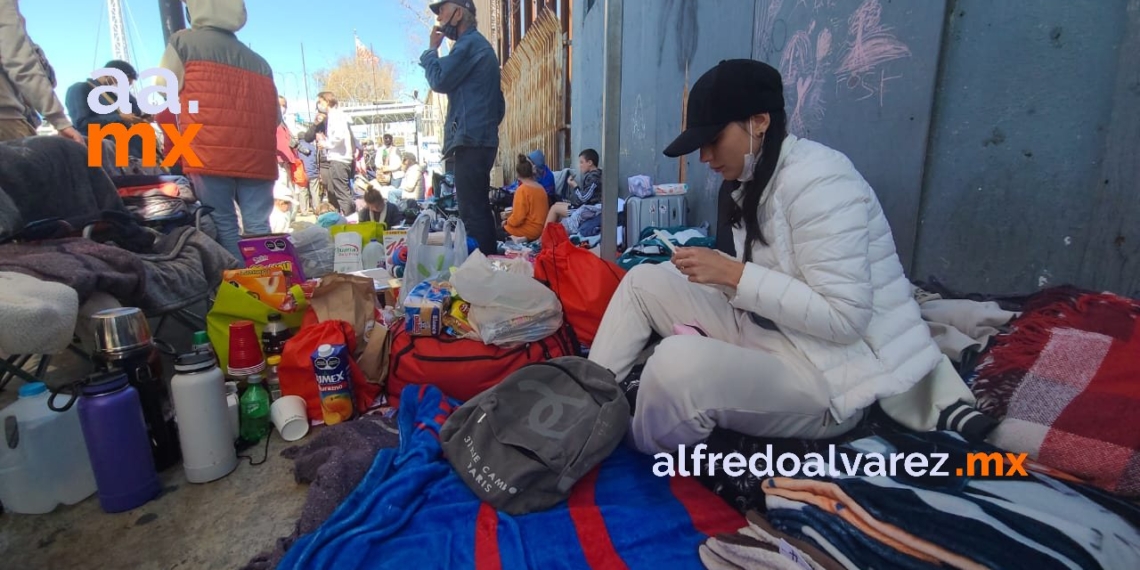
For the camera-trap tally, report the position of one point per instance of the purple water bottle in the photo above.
(111, 414)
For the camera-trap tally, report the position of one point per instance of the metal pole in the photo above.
(419, 112)
(372, 61)
(611, 126)
(305, 72)
(170, 11)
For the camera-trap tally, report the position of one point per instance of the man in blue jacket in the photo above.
(83, 116)
(311, 196)
(469, 76)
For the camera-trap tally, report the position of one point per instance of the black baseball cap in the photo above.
(468, 4)
(732, 91)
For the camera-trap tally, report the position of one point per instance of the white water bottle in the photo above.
(199, 393)
(348, 249)
(373, 254)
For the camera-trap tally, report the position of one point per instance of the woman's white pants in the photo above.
(741, 377)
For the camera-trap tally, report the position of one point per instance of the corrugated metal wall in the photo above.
(1034, 157)
(1001, 138)
(534, 85)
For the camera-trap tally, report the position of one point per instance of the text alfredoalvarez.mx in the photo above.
(121, 134)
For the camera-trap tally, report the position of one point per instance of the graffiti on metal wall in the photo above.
(839, 53)
(681, 28)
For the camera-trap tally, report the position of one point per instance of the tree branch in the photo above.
(420, 12)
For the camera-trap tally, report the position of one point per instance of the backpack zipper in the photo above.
(512, 352)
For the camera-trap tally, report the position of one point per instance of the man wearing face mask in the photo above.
(469, 76)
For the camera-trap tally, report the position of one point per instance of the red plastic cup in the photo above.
(245, 347)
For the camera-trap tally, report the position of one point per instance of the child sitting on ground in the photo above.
(328, 216)
(279, 218)
(528, 213)
(587, 193)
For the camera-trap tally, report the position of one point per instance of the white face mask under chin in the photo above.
(749, 159)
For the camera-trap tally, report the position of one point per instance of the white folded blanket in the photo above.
(38, 316)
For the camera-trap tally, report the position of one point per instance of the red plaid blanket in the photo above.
(1066, 381)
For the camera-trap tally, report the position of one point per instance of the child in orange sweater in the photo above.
(528, 213)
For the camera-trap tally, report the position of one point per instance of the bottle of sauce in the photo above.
(274, 335)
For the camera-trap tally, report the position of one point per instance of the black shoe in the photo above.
(630, 386)
(967, 421)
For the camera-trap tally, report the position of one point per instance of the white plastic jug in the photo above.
(43, 458)
(348, 252)
(373, 255)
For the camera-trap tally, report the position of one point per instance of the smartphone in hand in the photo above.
(665, 239)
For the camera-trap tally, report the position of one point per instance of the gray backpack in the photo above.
(522, 445)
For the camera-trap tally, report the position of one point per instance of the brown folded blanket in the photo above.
(81, 264)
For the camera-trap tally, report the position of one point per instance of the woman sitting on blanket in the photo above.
(808, 325)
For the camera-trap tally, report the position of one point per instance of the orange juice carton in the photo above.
(330, 362)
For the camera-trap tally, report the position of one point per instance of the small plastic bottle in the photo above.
(255, 411)
(201, 343)
(272, 380)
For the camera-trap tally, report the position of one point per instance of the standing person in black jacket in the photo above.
(316, 130)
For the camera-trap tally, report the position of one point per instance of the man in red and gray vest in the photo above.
(238, 110)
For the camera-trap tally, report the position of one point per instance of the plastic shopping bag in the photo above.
(433, 262)
(368, 230)
(583, 281)
(235, 303)
(507, 309)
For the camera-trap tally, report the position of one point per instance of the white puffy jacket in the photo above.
(832, 281)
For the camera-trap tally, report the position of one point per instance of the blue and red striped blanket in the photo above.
(412, 511)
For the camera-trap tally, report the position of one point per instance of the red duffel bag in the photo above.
(583, 281)
(296, 370)
(463, 368)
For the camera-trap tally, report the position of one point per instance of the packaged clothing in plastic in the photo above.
(640, 186)
(506, 308)
(314, 245)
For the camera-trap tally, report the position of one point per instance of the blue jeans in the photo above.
(253, 197)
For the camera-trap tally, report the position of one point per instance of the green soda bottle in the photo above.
(255, 411)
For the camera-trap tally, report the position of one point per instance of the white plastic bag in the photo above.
(506, 308)
(432, 262)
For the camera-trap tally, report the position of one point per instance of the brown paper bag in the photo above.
(375, 360)
(349, 298)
